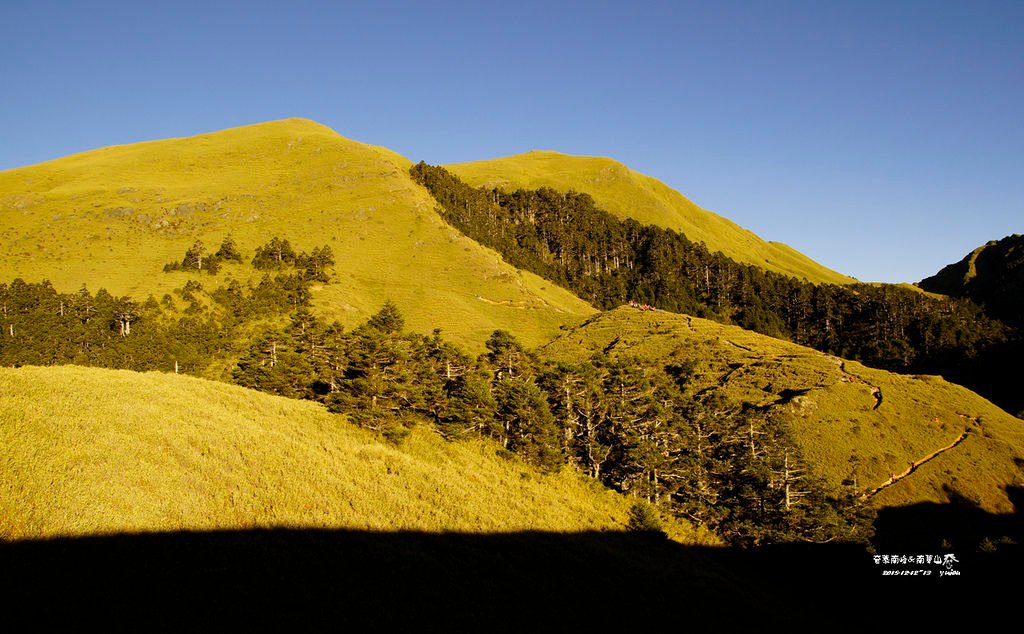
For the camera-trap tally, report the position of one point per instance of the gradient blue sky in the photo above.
(883, 139)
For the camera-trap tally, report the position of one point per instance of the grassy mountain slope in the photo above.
(117, 451)
(628, 194)
(112, 217)
(834, 409)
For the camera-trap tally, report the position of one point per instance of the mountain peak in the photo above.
(113, 217)
(991, 275)
(291, 124)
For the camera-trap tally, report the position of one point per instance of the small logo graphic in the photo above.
(947, 563)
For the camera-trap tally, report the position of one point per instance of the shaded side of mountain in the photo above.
(958, 525)
(992, 275)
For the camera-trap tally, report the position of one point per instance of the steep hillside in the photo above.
(628, 194)
(117, 451)
(113, 217)
(992, 275)
(857, 427)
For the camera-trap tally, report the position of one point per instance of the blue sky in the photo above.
(883, 139)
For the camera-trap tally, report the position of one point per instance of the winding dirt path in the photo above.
(914, 465)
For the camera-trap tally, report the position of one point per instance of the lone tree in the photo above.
(195, 257)
(643, 518)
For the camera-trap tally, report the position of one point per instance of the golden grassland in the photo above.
(89, 451)
(95, 451)
(849, 421)
(628, 194)
(113, 217)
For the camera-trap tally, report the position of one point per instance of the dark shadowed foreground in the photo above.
(498, 581)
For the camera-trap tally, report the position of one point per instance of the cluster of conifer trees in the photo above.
(628, 423)
(566, 238)
(276, 255)
(44, 327)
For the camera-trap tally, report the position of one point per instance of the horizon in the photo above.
(812, 126)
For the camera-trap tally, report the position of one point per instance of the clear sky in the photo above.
(883, 139)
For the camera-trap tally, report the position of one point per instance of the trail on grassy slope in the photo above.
(893, 479)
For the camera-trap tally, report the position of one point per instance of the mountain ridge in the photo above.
(630, 194)
(991, 275)
(112, 217)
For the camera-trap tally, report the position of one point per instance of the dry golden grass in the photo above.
(628, 194)
(93, 451)
(112, 217)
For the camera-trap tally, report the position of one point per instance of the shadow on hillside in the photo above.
(958, 526)
(497, 581)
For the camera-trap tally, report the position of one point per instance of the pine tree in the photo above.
(228, 250)
(388, 319)
(195, 257)
(529, 428)
(126, 312)
(276, 254)
(316, 264)
(509, 358)
(472, 408)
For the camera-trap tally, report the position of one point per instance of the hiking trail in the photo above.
(893, 479)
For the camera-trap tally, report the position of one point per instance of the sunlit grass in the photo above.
(113, 217)
(88, 451)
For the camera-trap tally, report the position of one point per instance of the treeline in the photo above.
(184, 332)
(627, 422)
(566, 238)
